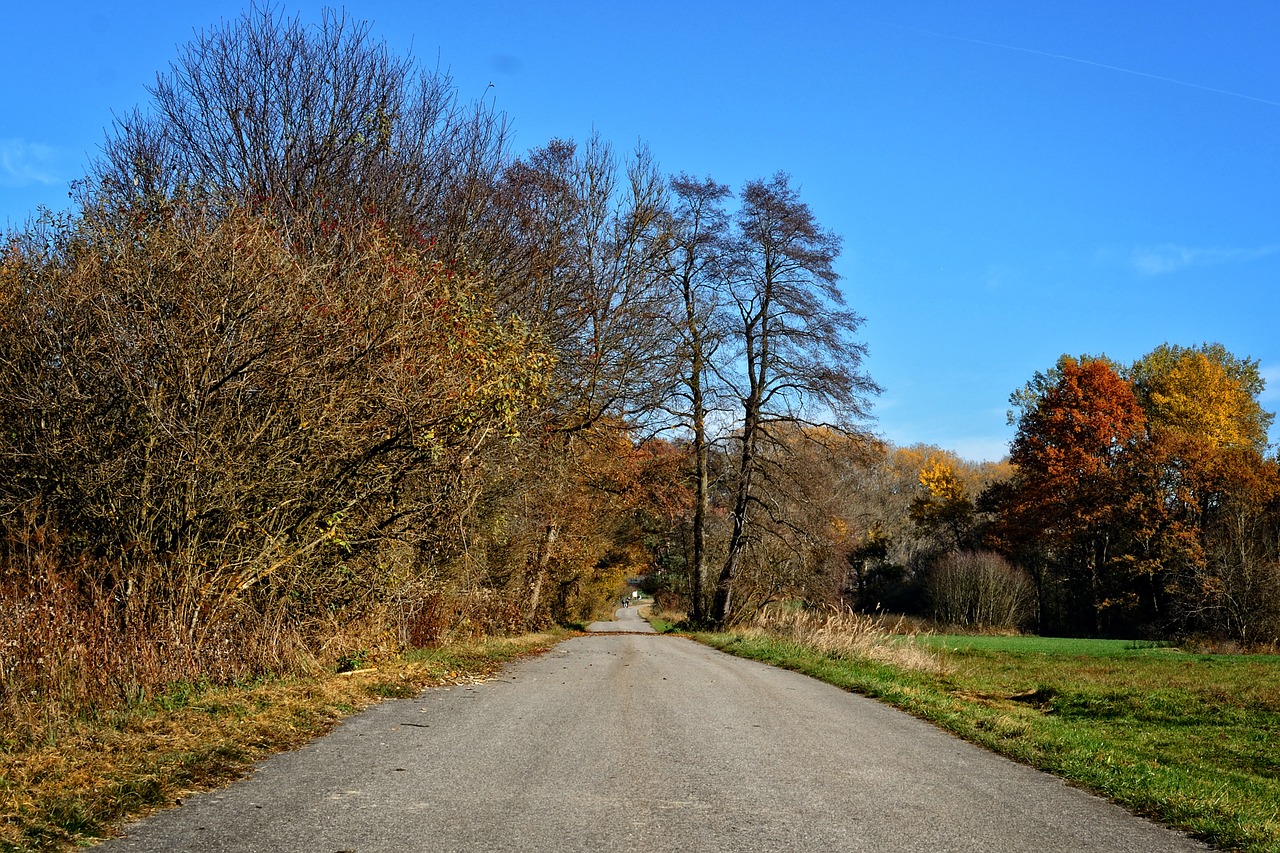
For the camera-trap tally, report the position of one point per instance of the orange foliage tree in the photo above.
(1143, 502)
(1070, 486)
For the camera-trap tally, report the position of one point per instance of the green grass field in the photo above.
(1045, 645)
(1069, 647)
(1190, 740)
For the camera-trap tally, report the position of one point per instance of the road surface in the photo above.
(627, 619)
(621, 741)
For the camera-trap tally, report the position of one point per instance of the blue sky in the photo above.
(1012, 180)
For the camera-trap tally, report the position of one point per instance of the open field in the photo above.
(1190, 740)
(93, 774)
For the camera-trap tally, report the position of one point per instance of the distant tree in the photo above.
(1199, 481)
(874, 578)
(796, 363)
(1237, 593)
(884, 499)
(1204, 523)
(946, 506)
(579, 521)
(571, 231)
(582, 265)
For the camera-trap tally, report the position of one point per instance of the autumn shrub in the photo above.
(980, 590)
(1241, 602)
(70, 650)
(451, 615)
(221, 455)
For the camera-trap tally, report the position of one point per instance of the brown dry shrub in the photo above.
(69, 650)
(217, 448)
(981, 590)
(455, 615)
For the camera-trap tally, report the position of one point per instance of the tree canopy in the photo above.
(1204, 392)
(1128, 483)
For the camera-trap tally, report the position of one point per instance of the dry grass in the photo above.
(89, 776)
(117, 698)
(73, 654)
(846, 634)
(74, 651)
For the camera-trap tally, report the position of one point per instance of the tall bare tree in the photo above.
(580, 264)
(695, 238)
(572, 251)
(798, 362)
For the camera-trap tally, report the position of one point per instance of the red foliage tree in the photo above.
(1070, 453)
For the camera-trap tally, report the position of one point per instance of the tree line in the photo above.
(1137, 501)
(316, 362)
(1143, 501)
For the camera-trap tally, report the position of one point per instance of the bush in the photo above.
(980, 590)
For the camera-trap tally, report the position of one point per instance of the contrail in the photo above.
(1149, 76)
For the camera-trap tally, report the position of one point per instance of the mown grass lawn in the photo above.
(1190, 740)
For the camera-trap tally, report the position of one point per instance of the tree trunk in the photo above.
(701, 489)
(699, 569)
(723, 603)
(549, 536)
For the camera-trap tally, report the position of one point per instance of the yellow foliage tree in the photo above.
(1203, 392)
(945, 505)
(939, 479)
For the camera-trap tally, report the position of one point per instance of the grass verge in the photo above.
(661, 624)
(1192, 741)
(93, 776)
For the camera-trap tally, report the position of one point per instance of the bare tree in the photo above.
(695, 234)
(316, 124)
(581, 266)
(798, 363)
(571, 250)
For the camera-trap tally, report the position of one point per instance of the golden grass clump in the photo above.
(846, 634)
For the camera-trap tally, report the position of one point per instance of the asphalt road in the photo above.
(627, 619)
(621, 741)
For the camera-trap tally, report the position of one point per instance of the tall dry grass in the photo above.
(71, 650)
(434, 617)
(842, 633)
